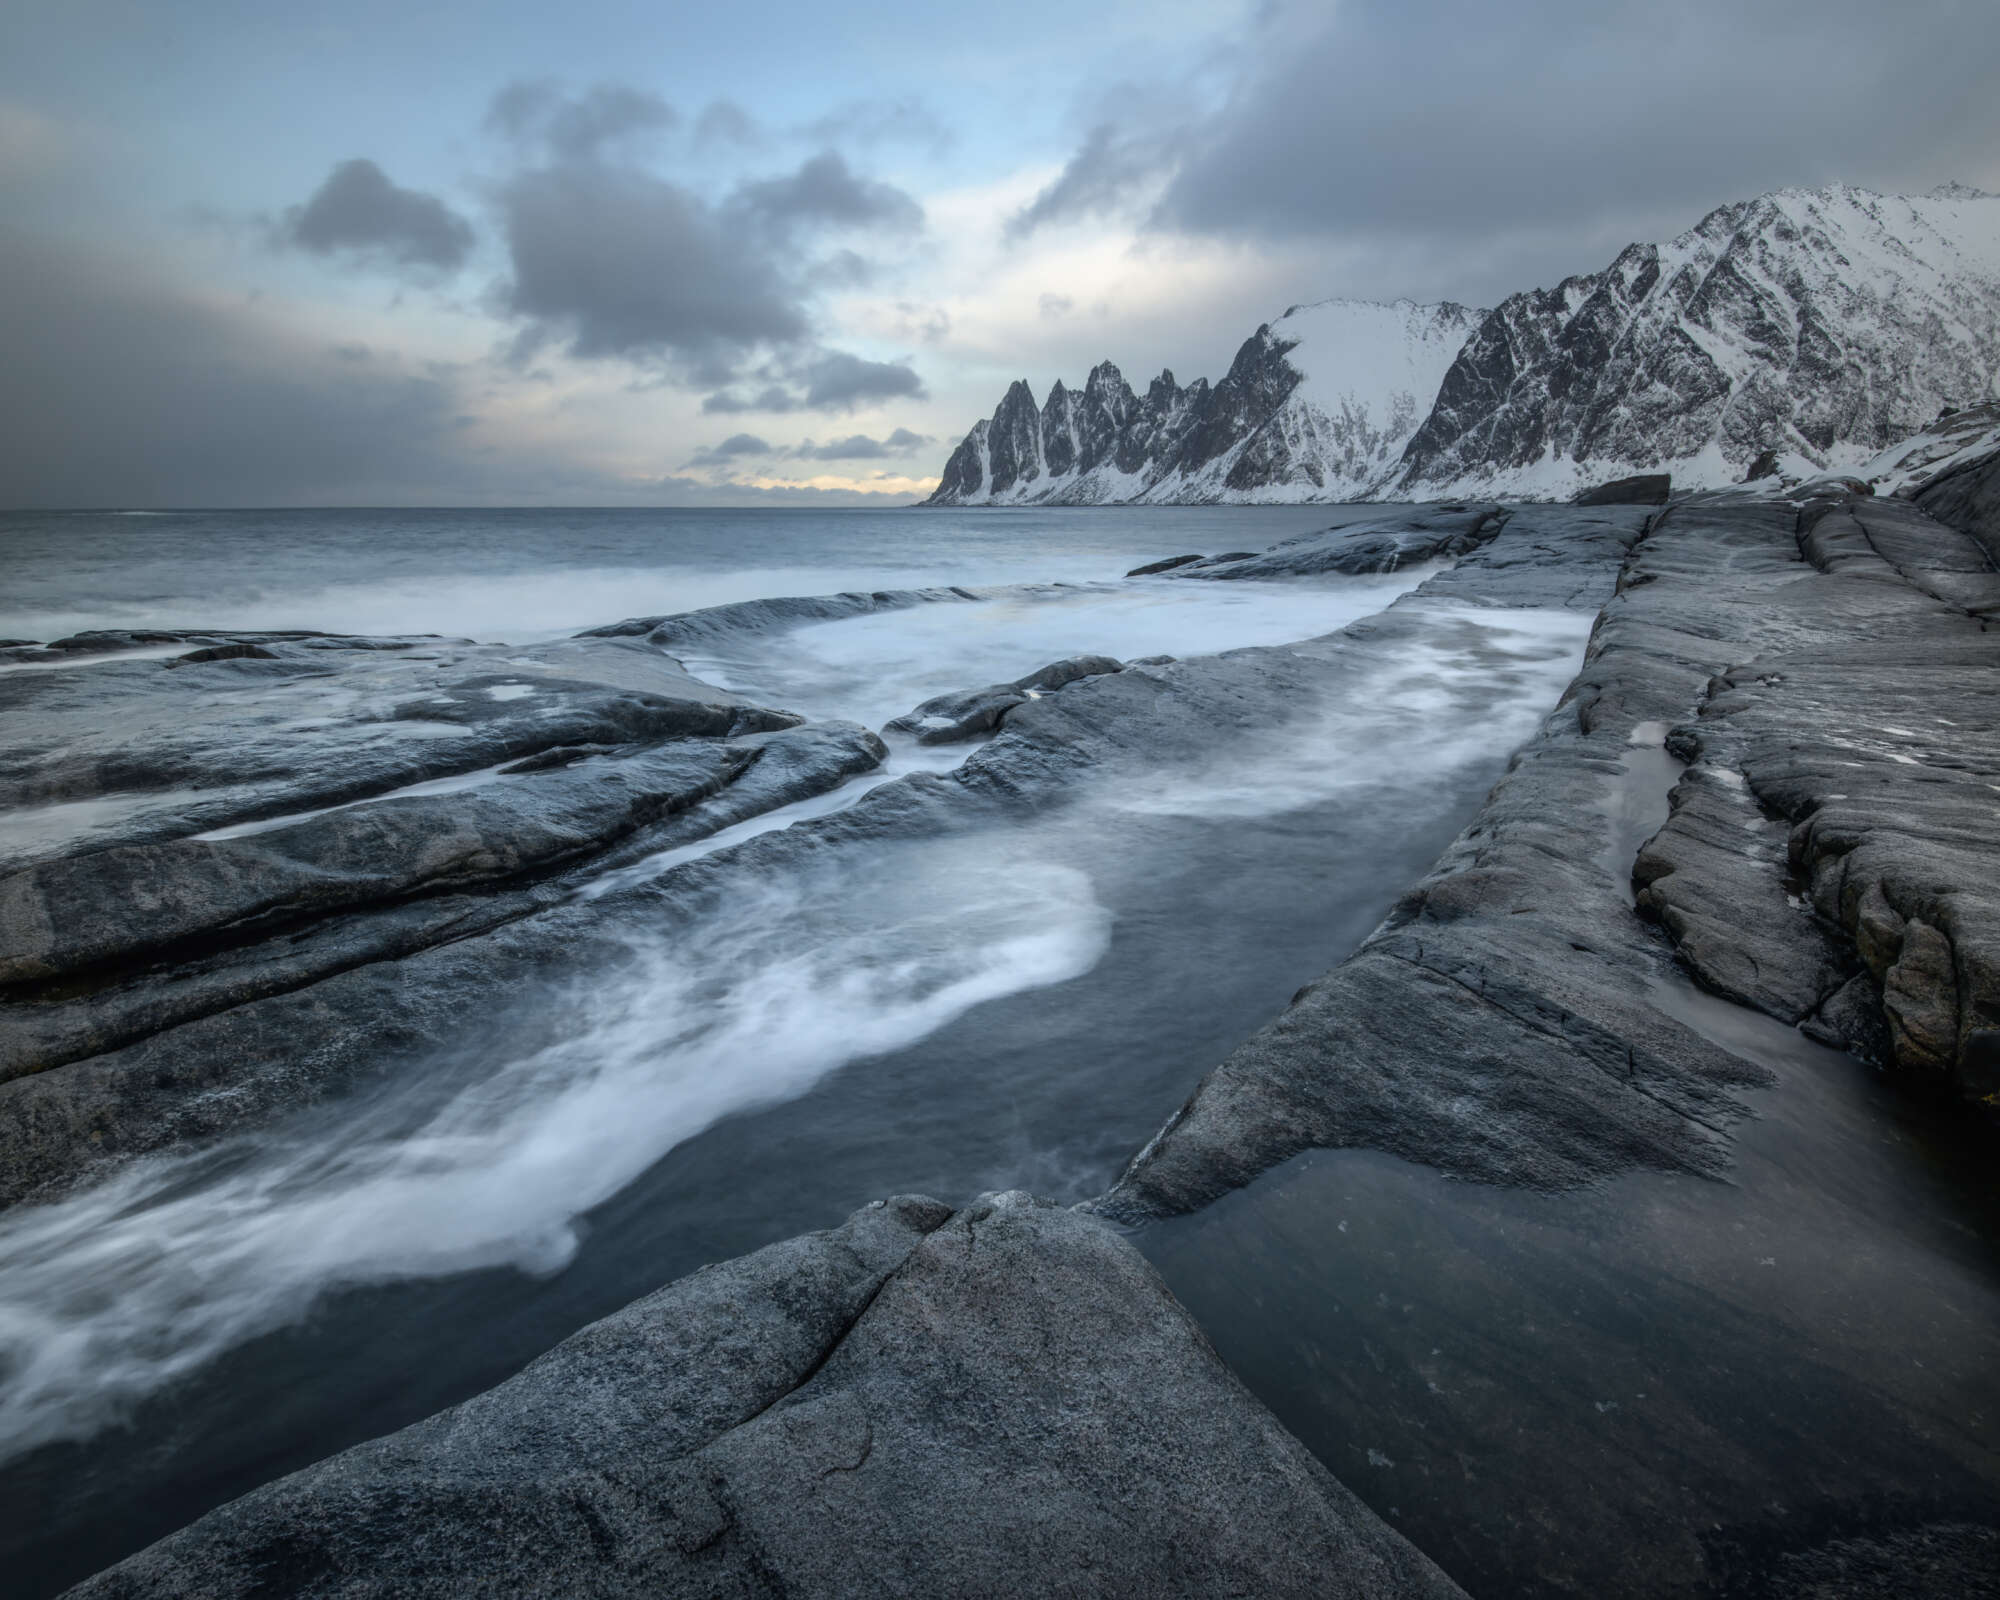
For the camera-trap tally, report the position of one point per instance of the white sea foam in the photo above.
(871, 668)
(1475, 684)
(115, 1292)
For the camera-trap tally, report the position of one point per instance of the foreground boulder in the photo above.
(1005, 1400)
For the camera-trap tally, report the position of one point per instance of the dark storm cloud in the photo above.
(829, 380)
(826, 191)
(359, 211)
(1443, 123)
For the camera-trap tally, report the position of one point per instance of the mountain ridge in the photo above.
(1816, 325)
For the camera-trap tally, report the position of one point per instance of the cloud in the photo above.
(724, 122)
(734, 448)
(827, 380)
(825, 191)
(613, 260)
(1453, 145)
(358, 210)
(906, 120)
(1054, 306)
(627, 264)
(577, 127)
(860, 447)
(1103, 174)
(146, 393)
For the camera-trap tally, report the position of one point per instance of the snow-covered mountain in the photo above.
(1817, 325)
(1317, 405)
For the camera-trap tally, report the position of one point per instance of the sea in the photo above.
(1017, 1009)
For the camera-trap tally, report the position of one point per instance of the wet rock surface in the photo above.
(1432, 533)
(791, 1423)
(1780, 752)
(1502, 1024)
(950, 718)
(272, 970)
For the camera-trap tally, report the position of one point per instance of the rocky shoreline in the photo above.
(1775, 772)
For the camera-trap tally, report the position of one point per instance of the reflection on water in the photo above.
(1658, 1386)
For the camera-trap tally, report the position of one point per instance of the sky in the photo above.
(434, 252)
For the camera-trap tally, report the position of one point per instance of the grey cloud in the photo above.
(1455, 117)
(148, 395)
(734, 448)
(1098, 179)
(358, 210)
(861, 447)
(831, 380)
(825, 190)
(577, 127)
(772, 398)
(1057, 305)
(838, 381)
(616, 261)
(631, 265)
(901, 121)
(725, 122)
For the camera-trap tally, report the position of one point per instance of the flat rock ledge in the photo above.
(1782, 736)
(1004, 1400)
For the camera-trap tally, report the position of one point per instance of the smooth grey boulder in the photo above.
(950, 718)
(1001, 1401)
(1642, 489)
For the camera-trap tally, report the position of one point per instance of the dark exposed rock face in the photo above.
(1104, 429)
(792, 1423)
(949, 718)
(1646, 489)
(1315, 405)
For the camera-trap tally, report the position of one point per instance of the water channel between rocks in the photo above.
(1018, 1007)
(1657, 1386)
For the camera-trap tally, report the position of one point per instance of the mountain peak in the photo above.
(1819, 324)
